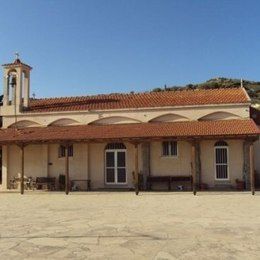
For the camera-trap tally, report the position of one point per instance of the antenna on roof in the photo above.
(241, 83)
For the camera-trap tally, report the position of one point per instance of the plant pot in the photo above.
(203, 186)
(240, 185)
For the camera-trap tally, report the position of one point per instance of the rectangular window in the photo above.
(62, 151)
(70, 151)
(170, 149)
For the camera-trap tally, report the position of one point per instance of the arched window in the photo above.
(221, 160)
(115, 162)
(221, 143)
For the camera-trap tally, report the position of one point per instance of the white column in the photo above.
(4, 167)
(26, 89)
(6, 90)
(19, 86)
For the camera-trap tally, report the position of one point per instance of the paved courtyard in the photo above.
(120, 225)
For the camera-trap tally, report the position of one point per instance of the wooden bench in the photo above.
(45, 183)
(168, 179)
(158, 179)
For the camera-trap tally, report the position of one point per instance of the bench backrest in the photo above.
(45, 179)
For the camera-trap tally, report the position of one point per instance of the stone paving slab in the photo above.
(120, 225)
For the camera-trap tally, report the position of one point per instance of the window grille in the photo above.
(221, 143)
(221, 160)
(62, 151)
(170, 148)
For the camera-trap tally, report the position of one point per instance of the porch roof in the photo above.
(131, 132)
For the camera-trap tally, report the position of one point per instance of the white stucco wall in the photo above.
(127, 116)
(219, 116)
(235, 151)
(78, 164)
(42, 160)
(179, 165)
(35, 161)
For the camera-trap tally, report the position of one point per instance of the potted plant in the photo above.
(240, 184)
(62, 181)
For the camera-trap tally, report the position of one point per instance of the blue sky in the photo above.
(94, 46)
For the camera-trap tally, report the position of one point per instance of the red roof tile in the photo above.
(141, 100)
(17, 62)
(204, 129)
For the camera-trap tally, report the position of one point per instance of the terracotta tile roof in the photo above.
(17, 62)
(204, 129)
(140, 100)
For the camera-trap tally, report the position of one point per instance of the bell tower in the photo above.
(16, 85)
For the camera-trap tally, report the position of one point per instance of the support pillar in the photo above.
(67, 178)
(193, 169)
(252, 169)
(198, 163)
(246, 164)
(45, 159)
(88, 168)
(22, 168)
(145, 148)
(4, 167)
(136, 183)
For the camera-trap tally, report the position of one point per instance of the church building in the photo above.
(193, 140)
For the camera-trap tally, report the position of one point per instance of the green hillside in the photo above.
(252, 87)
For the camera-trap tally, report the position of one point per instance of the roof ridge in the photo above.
(140, 100)
(136, 93)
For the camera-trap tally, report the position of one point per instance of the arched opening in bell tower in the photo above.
(11, 86)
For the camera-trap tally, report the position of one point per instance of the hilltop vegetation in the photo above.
(252, 87)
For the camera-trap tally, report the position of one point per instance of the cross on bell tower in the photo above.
(16, 55)
(16, 84)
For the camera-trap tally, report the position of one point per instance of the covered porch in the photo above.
(131, 156)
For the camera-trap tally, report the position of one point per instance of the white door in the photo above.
(115, 170)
